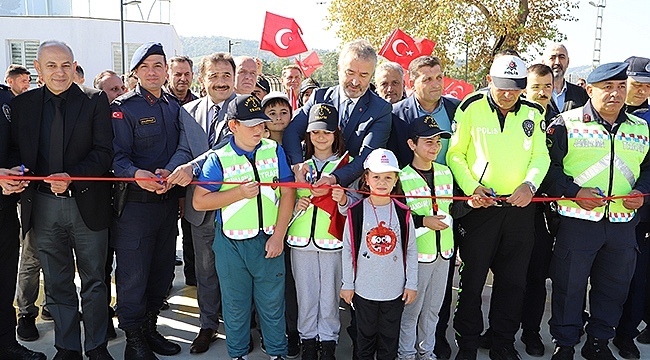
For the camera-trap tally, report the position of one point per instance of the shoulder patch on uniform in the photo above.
(533, 105)
(7, 111)
(477, 96)
(556, 121)
(117, 115)
(5, 87)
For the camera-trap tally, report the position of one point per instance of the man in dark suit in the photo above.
(204, 127)
(566, 96)
(9, 241)
(365, 118)
(426, 76)
(60, 131)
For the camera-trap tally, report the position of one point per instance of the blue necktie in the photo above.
(347, 111)
(212, 133)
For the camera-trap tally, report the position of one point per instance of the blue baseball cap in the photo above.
(323, 117)
(247, 110)
(146, 49)
(609, 71)
(426, 127)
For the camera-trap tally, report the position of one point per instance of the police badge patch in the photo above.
(7, 111)
(529, 127)
(542, 125)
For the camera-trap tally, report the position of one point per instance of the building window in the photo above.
(23, 52)
(117, 55)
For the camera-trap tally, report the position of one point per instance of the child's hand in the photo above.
(274, 246)
(435, 222)
(338, 195)
(302, 203)
(409, 296)
(347, 295)
(249, 190)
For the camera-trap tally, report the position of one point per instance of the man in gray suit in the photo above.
(203, 128)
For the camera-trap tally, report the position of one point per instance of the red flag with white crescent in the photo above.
(310, 64)
(456, 88)
(400, 48)
(282, 36)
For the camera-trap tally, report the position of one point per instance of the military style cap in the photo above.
(323, 117)
(275, 95)
(247, 109)
(609, 71)
(508, 72)
(146, 49)
(638, 69)
(426, 127)
(263, 84)
(307, 84)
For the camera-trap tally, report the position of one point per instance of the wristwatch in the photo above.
(532, 186)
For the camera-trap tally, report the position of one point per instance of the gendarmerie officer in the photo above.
(596, 151)
(9, 242)
(498, 149)
(147, 130)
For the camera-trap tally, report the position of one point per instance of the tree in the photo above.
(483, 26)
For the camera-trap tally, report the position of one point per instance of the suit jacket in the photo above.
(575, 97)
(88, 149)
(404, 112)
(368, 128)
(194, 118)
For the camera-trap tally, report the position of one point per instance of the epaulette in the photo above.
(533, 105)
(557, 121)
(641, 111)
(474, 97)
(122, 98)
(4, 87)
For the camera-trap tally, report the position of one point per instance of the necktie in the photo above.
(212, 134)
(56, 137)
(347, 111)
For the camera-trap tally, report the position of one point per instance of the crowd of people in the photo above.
(291, 201)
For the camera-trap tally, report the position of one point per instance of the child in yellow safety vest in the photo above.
(315, 245)
(428, 187)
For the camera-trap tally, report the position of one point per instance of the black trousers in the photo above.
(9, 245)
(498, 239)
(378, 324)
(188, 251)
(538, 272)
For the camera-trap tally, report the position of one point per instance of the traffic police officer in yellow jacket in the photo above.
(596, 151)
(498, 149)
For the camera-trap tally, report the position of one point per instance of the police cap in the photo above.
(609, 71)
(263, 84)
(426, 127)
(247, 110)
(323, 117)
(146, 49)
(638, 69)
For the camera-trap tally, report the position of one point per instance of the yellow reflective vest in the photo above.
(245, 218)
(611, 162)
(430, 242)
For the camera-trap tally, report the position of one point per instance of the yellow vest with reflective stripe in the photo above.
(300, 232)
(241, 219)
(414, 184)
(611, 162)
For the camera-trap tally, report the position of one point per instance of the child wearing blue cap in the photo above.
(251, 222)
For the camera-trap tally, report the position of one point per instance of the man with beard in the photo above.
(566, 96)
(204, 128)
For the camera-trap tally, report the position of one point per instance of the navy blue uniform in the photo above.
(147, 131)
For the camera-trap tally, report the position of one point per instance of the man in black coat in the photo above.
(59, 131)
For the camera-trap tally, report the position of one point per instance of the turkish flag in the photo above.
(310, 64)
(425, 46)
(328, 205)
(281, 36)
(456, 88)
(400, 48)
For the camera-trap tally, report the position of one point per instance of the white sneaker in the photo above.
(426, 356)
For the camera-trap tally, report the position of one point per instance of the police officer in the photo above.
(9, 242)
(147, 129)
(638, 90)
(497, 133)
(597, 151)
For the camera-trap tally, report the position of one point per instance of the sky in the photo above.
(624, 24)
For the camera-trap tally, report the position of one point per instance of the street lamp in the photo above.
(230, 45)
(600, 7)
(122, 5)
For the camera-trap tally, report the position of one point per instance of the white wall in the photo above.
(91, 39)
